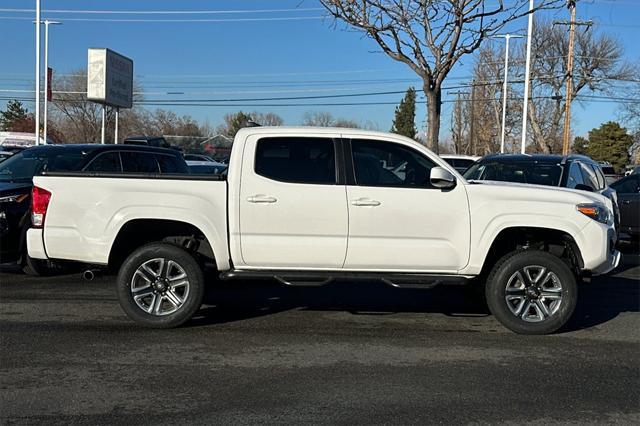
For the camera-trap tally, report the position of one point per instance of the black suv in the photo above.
(16, 174)
(572, 171)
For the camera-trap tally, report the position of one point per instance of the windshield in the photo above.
(521, 172)
(24, 165)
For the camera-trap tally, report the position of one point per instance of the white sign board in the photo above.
(109, 78)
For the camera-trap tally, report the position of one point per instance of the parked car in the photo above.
(157, 141)
(206, 167)
(573, 171)
(198, 157)
(16, 175)
(628, 190)
(306, 206)
(460, 162)
(609, 172)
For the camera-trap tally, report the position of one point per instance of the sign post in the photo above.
(109, 82)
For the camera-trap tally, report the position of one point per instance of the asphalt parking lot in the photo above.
(348, 353)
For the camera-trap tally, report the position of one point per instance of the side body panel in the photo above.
(86, 213)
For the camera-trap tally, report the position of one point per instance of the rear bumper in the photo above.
(35, 244)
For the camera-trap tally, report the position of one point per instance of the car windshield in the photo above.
(522, 172)
(25, 164)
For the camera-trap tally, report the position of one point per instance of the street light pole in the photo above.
(46, 70)
(37, 130)
(506, 37)
(526, 80)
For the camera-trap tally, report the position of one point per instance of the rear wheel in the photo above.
(531, 292)
(160, 286)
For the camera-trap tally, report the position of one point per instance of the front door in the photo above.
(397, 220)
(293, 210)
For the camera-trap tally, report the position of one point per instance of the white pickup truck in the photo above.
(309, 205)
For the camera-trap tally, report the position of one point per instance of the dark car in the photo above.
(16, 174)
(572, 171)
(628, 190)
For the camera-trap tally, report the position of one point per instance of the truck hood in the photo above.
(538, 192)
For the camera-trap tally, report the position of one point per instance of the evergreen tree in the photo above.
(610, 142)
(404, 121)
(580, 145)
(15, 115)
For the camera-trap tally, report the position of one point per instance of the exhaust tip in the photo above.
(88, 275)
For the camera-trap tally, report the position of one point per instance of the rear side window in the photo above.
(139, 162)
(170, 164)
(297, 160)
(108, 162)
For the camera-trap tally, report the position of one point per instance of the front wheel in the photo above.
(160, 286)
(531, 292)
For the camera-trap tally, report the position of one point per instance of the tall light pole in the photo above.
(46, 70)
(506, 37)
(37, 130)
(526, 80)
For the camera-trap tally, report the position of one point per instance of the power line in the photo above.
(164, 12)
(273, 19)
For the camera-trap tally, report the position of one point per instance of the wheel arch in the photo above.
(137, 232)
(558, 242)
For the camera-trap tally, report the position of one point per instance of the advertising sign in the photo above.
(109, 78)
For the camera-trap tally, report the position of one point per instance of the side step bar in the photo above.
(317, 279)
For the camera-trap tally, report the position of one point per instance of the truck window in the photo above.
(107, 162)
(297, 160)
(139, 162)
(575, 176)
(389, 164)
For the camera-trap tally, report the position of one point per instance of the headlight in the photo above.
(14, 198)
(597, 212)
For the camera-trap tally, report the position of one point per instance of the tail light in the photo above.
(39, 203)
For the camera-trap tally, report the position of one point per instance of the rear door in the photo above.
(397, 220)
(292, 207)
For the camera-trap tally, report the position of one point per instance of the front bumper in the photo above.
(35, 244)
(612, 262)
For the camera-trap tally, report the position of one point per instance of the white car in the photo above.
(460, 162)
(309, 205)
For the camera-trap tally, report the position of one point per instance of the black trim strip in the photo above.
(159, 176)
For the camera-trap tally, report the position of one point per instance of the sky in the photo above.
(247, 50)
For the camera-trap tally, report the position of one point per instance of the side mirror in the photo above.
(583, 187)
(442, 178)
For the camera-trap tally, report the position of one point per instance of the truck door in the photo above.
(397, 220)
(292, 207)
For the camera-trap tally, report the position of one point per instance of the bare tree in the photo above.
(326, 119)
(430, 36)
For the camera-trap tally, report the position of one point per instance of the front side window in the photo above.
(589, 176)
(297, 160)
(379, 163)
(108, 162)
(139, 162)
(575, 176)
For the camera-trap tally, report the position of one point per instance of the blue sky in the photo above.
(256, 59)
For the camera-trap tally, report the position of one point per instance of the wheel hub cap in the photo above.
(534, 293)
(160, 286)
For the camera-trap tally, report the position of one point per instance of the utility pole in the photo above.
(47, 22)
(571, 4)
(472, 144)
(37, 132)
(506, 37)
(527, 74)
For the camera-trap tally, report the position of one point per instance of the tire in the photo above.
(522, 284)
(160, 286)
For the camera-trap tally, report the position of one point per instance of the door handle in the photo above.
(626, 201)
(260, 198)
(365, 202)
